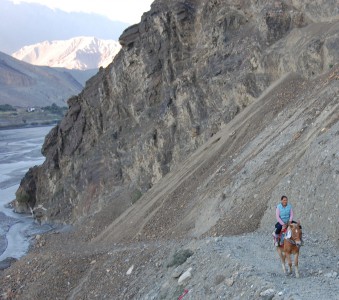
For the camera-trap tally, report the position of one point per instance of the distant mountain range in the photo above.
(81, 53)
(23, 85)
(74, 60)
(29, 23)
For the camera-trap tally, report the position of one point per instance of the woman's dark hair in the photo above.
(282, 197)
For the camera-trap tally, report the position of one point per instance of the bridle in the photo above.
(292, 241)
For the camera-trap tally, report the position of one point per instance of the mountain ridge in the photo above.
(25, 85)
(81, 53)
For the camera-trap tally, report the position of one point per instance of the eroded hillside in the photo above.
(184, 72)
(210, 112)
(230, 185)
(209, 205)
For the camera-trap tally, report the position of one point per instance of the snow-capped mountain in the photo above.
(80, 53)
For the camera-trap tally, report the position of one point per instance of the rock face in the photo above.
(189, 69)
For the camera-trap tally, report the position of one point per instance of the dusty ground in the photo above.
(238, 267)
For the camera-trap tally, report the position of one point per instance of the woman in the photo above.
(284, 215)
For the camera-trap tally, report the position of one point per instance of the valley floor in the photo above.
(22, 118)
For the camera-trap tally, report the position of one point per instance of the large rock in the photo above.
(6, 263)
(185, 277)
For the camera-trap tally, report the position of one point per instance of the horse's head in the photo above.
(295, 232)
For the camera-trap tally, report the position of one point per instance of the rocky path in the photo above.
(318, 263)
(237, 267)
(248, 267)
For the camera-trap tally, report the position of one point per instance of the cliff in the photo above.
(184, 72)
(210, 112)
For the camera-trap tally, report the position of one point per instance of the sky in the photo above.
(128, 11)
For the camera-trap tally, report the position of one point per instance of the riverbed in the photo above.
(20, 149)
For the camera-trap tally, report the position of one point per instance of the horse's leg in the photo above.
(296, 264)
(289, 261)
(282, 258)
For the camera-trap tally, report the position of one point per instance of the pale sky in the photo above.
(128, 11)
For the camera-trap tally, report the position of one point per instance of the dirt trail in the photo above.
(238, 267)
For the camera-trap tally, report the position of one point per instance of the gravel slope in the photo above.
(238, 267)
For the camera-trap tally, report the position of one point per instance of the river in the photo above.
(20, 149)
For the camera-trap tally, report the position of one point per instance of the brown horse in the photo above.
(292, 243)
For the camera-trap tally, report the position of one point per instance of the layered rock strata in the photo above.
(185, 71)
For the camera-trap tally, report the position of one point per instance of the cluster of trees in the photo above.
(55, 109)
(7, 107)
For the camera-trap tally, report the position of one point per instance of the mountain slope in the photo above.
(210, 112)
(173, 86)
(81, 53)
(275, 146)
(228, 187)
(26, 85)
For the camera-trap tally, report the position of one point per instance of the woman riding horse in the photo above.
(284, 215)
(293, 240)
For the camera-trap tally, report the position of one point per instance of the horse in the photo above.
(291, 245)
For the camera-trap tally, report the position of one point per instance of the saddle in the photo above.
(283, 234)
(286, 233)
